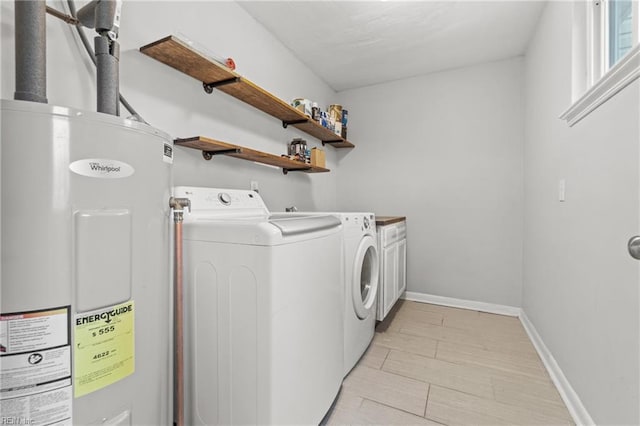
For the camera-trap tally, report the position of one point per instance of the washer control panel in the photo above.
(215, 201)
(224, 198)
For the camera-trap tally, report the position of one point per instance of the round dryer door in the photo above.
(365, 277)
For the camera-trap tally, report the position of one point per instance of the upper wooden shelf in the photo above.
(177, 54)
(211, 147)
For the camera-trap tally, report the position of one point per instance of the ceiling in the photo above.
(351, 44)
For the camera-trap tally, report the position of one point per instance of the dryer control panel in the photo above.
(359, 223)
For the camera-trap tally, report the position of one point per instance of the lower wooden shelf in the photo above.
(325, 135)
(211, 147)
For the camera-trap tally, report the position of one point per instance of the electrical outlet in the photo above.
(254, 186)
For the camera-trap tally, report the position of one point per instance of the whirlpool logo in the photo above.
(101, 168)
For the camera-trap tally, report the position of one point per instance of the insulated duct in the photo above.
(104, 16)
(90, 52)
(31, 51)
(107, 75)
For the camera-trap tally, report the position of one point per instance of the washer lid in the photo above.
(240, 217)
(304, 224)
(259, 231)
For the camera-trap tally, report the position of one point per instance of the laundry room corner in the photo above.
(445, 150)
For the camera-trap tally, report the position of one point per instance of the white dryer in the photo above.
(360, 273)
(360, 284)
(264, 319)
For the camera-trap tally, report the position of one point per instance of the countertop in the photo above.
(388, 220)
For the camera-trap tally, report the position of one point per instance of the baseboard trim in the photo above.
(491, 308)
(571, 399)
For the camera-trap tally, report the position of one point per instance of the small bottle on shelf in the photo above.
(345, 119)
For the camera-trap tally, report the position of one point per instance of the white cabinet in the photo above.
(389, 274)
(402, 266)
(392, 244)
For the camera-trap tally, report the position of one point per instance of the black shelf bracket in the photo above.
(286, 123)
(332, 141)
(208, 87)
(208, 155)
(285, 170)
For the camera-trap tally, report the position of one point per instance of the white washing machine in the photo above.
(361, 284)
(360, 280)
(263, 309)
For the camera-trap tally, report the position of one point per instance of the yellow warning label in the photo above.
(104, 347)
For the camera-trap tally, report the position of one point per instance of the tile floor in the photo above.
(431, 364)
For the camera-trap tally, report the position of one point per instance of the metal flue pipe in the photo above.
(31, 50)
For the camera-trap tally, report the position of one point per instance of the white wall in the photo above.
(580, 285)
(445, 150)
(176, 103)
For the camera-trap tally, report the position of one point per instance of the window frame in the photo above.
(599, 81)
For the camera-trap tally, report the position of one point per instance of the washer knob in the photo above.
(224, 198)
(365, 221)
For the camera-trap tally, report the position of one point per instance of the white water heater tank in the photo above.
(85, 296)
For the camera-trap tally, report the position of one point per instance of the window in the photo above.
(613, 33)
(609, 31)
(620, 32)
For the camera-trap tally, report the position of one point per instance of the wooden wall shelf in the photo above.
(177, 54)
(211, 147)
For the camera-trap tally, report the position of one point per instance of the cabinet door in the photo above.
(402, 267)
(390, 277)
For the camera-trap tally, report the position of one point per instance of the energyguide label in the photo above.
(104, 347)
